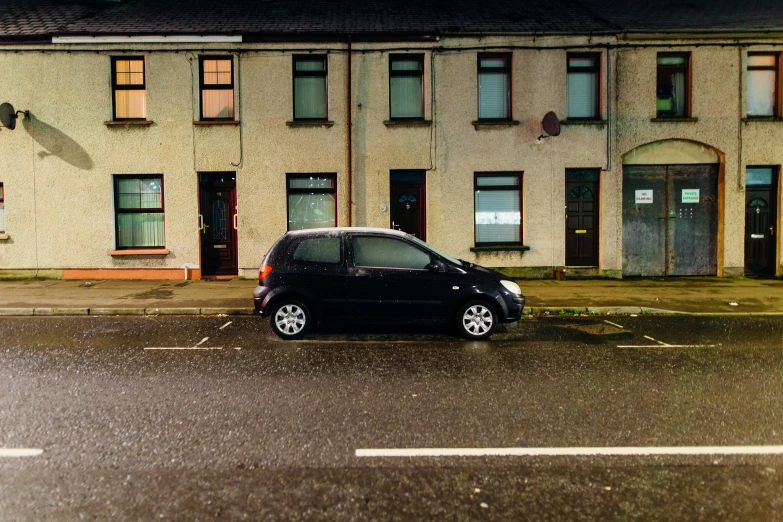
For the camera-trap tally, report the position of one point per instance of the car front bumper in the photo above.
(512, 306)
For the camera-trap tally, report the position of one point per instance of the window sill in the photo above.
(480, 124)
(216, 122)
(4, 237)
(597, 123)
(313, 123)
(500, 248)
(140, 252)
(750, 119)
(128, 123)
(407, 123)
(674, 120)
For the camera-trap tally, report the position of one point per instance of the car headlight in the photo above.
(512, 287)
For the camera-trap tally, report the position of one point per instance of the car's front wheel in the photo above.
(290, 319)
(476, 320)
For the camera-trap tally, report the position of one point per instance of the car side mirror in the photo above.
(436, 266)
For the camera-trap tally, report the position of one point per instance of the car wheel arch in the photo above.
(477, 297)
(307, 300)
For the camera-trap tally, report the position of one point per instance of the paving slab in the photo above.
(234, 297)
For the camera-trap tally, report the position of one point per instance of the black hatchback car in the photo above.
(374, 275)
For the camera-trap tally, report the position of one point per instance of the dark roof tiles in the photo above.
(19, 18)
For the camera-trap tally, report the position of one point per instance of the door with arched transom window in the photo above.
(581, 217)
(761, 190)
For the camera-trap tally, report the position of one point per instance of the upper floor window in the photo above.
(672, 91)
(217, 87)
(2, 209)
(138, 208)
(312, 201)
(498, 208)
(406, 86)
(129, 88)
(494, 86)
(583, 86)
(762, 80)
(310, 98)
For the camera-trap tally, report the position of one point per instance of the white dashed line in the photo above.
(184, 348)
(20, 452)
(613, 324)
(202, 341)
(655, 340)
(228, 323)
(662, 345)
(566, 452)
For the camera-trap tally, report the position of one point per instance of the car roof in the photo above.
(343, 230)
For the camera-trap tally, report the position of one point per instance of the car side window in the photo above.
(383, 252)
(318, 250)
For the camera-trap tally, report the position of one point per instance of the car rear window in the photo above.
(318, 250)
(383, 252)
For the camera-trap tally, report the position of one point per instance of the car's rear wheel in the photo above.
(476, 320)
(290, 319)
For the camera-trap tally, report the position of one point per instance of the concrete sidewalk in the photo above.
(234, 297)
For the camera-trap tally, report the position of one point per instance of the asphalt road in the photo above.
(247, 427)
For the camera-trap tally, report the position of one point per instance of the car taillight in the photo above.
(264, 271)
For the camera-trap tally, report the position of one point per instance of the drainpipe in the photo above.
(349, 131)
(740, 173)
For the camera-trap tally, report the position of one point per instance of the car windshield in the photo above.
(439, 252)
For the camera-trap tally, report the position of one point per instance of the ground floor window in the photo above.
(498, 208)
(312, 201)
(2, 209)
(138, 209)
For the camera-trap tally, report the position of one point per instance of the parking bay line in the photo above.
(571, 452)
(668, 345)
(20, 452)
(183, 348)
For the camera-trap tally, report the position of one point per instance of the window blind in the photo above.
(497, 216)
(493, 95)
(582, 94)
(761, 93)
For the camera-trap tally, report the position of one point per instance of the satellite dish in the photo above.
(8, 116)
(551, 124)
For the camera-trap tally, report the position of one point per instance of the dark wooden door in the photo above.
(582, 223)
(408, 208)
(760, 230)
(218, 225)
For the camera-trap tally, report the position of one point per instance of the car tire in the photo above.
(290, 319)
(476, 320)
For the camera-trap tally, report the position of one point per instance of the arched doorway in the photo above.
(670, 209)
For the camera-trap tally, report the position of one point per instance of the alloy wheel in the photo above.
(290, 319)
(477, 320)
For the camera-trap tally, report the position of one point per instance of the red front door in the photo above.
(407, 203)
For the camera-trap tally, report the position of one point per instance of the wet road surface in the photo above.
(191, 418)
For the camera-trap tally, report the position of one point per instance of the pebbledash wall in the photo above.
(57, 166)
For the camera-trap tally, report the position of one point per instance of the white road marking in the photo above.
(668, 345)
(654, 340)
(20, 452)
(184, 348)
(557, 452)
(228, 323)
(202, 341)
(613, 324)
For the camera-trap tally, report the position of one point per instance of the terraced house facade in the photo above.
(180, 139)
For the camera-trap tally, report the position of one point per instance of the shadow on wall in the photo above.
(55, 143)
